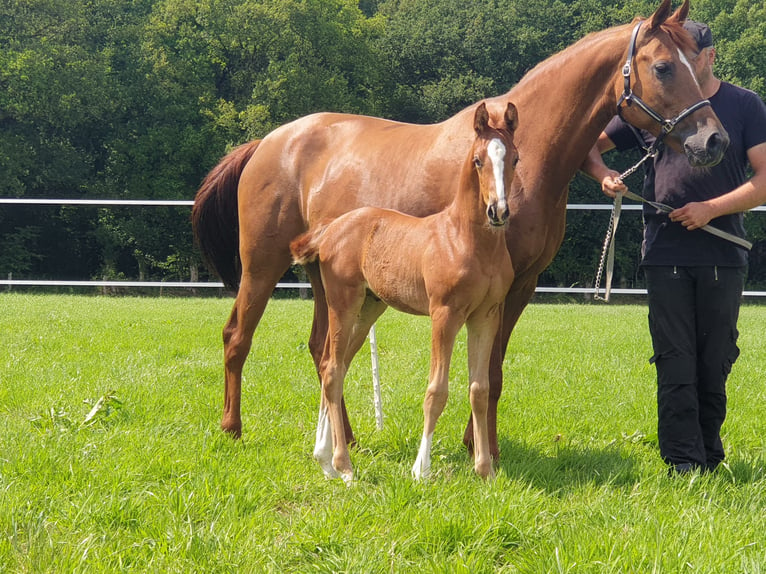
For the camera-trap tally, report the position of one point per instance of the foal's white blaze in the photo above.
(422, 466)
(496, 152)
(688, 65)
(323, 443)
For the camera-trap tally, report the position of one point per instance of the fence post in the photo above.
(377, 398)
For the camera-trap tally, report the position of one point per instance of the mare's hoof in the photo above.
(233, 430)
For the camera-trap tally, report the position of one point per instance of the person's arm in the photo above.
(595, 167)
(750, 194)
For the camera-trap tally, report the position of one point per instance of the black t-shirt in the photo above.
(672, 181)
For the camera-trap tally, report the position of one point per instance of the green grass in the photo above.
(144, 481)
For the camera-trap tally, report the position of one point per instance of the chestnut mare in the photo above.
(453, 266)
(323, 165)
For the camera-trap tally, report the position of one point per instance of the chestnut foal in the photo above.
(453, 265)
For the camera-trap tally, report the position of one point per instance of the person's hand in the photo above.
(693, 215)
(611, 184)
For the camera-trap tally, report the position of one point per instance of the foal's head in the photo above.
(494, 160)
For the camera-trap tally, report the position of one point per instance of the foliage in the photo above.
(138, 99)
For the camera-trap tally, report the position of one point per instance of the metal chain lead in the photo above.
(610, 229)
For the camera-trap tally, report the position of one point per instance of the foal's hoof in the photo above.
(420, 471)
(327, 468)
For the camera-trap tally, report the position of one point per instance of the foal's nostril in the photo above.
(496, 218)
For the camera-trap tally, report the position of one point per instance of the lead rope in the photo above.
(607, 252)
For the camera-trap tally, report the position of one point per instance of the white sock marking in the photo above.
(422, 467)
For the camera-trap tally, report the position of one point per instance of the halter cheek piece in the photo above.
(629, 98)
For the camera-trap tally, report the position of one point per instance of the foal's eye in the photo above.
(515, 161)
(662, 69)
(477, 162)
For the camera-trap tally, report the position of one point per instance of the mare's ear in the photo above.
(511, 117)
(481, 119)
(682, 13)
(660, 15)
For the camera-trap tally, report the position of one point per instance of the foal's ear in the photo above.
(481, 119)
(661, 14)
(511, 117)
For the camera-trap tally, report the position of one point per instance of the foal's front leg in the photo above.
(481, 335)
(444, 328)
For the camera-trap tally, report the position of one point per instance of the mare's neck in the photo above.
(564, 104)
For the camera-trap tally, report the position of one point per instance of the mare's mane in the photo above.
(672, 27)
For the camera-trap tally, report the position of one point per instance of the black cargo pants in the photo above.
(693, 315)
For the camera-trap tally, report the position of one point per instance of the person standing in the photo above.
(694, 279)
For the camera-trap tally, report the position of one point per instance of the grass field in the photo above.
(111, 459)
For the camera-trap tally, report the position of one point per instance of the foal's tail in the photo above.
(305, 247)
(214, 217)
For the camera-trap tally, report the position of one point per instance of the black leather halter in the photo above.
(629, 98)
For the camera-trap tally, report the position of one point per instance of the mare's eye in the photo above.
(515, 161)
(477, 162)
(662, 69)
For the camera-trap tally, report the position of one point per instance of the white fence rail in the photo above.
(10, 282)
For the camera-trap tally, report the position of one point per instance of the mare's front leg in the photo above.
(482, 328)
(318, 336)
(515, 302)
(444, 328)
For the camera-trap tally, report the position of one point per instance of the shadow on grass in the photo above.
(568, 467)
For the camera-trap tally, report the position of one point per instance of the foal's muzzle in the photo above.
(498, 214)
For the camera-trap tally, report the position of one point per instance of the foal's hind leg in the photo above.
(318, 335)
(344, 306)
(323, 446)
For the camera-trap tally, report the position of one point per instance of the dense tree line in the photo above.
(138, 99)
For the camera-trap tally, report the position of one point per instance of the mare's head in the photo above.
(494, 159)
(661, 76)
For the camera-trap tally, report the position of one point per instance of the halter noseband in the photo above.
(629, 97)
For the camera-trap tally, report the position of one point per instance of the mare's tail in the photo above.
(214, 217)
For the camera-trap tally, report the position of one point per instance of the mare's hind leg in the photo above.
(318, 335)
(482, 328)
(252, 297)
(515, 302)
(444, 329)
(371, 310)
